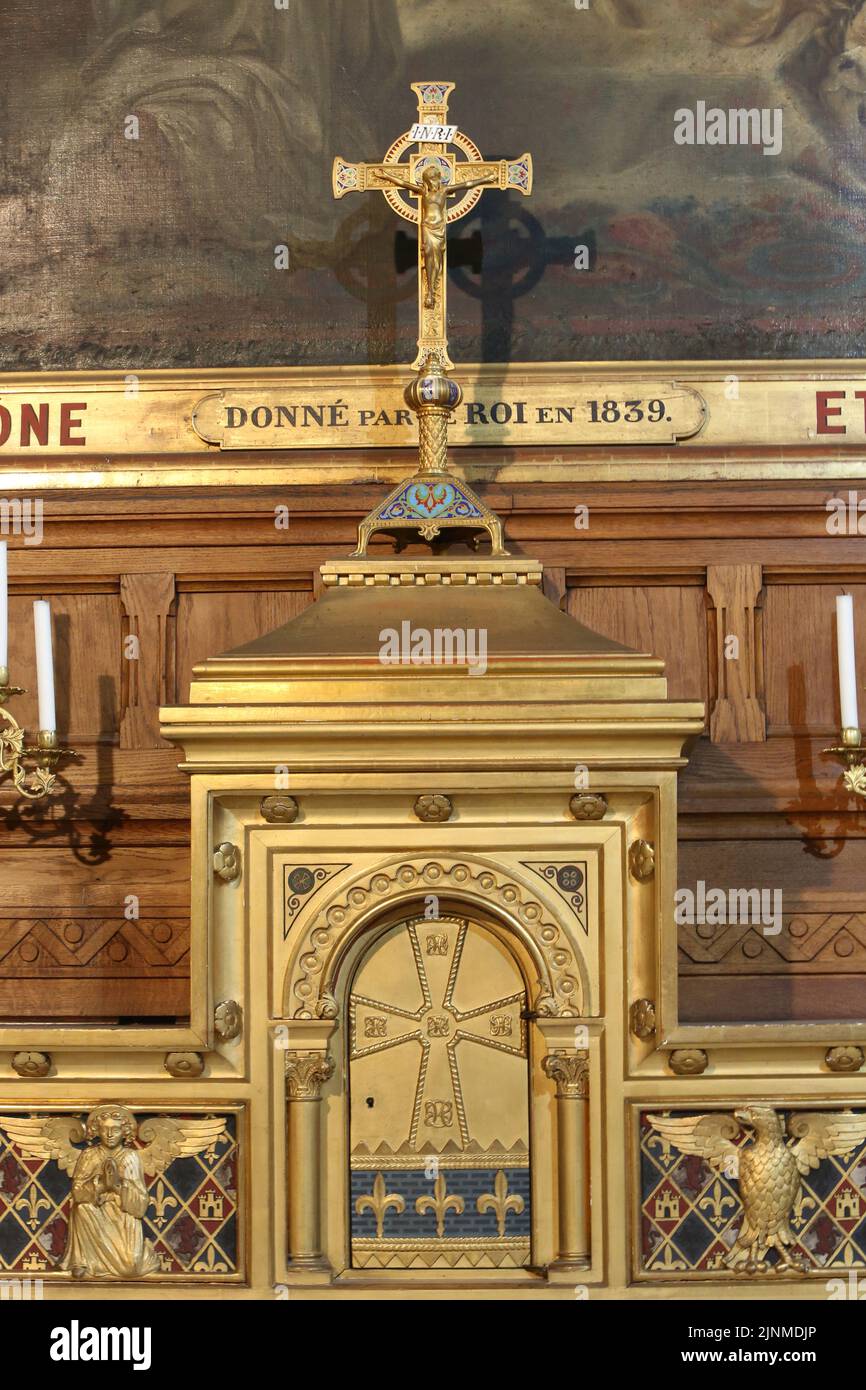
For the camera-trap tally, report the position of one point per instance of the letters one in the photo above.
(34, 424)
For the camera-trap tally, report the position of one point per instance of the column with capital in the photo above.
(306, 1072)
(570, 1071)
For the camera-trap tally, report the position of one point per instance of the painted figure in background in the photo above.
(244, 97)
(173, 150)
(109, 1194)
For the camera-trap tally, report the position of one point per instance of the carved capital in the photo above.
(570, 1071)
(32, 1064)
(306, 1073)
(279, 810)
(227, 862)
(227, 1020)
(184, 1064)
(642, 1018)
(435, 809)
(844, 1059)
(642, 860)
(588, 806)
(688, 1061)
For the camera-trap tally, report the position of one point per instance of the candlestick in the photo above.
(31, 767)
(44, 666)
(4, 609)
(847, 661)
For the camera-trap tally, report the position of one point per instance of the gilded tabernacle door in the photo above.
(439, 1082)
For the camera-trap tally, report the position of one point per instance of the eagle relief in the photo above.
(768, 1155)
(109, 1196)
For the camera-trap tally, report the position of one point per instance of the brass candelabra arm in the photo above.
(852, 754)
(17, 759)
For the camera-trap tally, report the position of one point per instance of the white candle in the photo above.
(44, 666)
(4, 607)
(847, 661)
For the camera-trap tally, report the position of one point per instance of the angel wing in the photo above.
(167, 1139)
(46, 1136)
(709, 1136)
(824, 1135)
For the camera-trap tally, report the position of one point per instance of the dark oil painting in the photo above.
(153, 242)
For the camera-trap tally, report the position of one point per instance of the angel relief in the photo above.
(110, 1198)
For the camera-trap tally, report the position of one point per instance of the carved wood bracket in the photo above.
(738, 715)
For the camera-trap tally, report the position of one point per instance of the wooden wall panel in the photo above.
(666, 620)
(737, 713)
(216, 620)
(800, 646)
(746, 971)
(71, 945)
(87, 654)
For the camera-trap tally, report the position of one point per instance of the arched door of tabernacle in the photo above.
(439, 1100)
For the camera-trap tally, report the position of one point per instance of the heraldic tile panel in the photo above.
(119, 1194)
(439, 1101)
(752, 1190)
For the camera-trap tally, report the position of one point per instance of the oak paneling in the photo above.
(814, 967)
(68, 949)
(800, 654)
(87, 657)
(215, 621)
(667, 621)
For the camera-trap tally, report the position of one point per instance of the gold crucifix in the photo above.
(432, 190)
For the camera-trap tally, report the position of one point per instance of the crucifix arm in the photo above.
(475, 183)
(399, 181)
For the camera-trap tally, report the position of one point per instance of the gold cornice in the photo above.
(251, 740)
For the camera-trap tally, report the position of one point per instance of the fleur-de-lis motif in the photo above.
(210, 1265)
(210, 1154)
(162, 1200)
(440, 1204)
(715, 1201)
(804, 1206)
(381, 1202)
(31, 1202)
(500, 1202)
(655, 1144)
(668, 1263)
